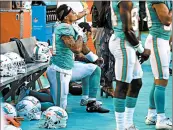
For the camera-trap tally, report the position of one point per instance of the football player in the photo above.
(160, 20)
(124, 45)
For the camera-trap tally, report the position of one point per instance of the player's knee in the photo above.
(136, 84)
(135, 87)
(121, 89)
(161, 82)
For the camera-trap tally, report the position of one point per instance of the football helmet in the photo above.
(9, 109)
(34, 100)
(53, 117)
(18, 61)
(6, 66)
(45, 44)
(42, 53)
(30, 110)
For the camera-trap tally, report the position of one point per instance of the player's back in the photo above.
(155, 26)
(116, 19)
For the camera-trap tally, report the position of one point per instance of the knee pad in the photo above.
(121, 89)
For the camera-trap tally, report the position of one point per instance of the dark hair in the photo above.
(85, 26)
(62, 11)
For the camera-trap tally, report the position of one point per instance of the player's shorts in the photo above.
(127, 66)
(82, 70)
(160, 56)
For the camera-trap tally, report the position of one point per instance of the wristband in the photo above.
(139, 47)
(91, 56)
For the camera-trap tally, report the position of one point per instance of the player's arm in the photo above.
(82, 14)
(75, 46)
(163, 13)
(89, 55)
(125, 8)
(81, 57)
(170, 43)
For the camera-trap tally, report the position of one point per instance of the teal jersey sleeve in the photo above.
(64, 30)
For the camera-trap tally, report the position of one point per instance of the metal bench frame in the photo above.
(34, 70)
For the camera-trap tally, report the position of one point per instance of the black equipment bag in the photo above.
(23, 53)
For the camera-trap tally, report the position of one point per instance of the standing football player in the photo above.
(160, 20)
(124, 45)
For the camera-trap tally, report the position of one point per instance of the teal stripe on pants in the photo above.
(156, 52)
(124, 67)
(58, 80)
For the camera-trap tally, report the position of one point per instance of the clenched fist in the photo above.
(99, 61)
(143, 56)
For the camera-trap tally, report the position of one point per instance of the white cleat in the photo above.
(132, 127)
(151, 120)
(165, 124)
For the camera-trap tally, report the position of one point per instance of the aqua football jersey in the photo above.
(63, 57)
(156, 28)
(116, 19)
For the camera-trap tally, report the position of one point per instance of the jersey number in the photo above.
(134, 15)
(135, 18)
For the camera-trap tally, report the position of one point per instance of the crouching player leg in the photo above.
(59, 82)
(90, 75)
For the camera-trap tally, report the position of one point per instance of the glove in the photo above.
(143, 56)
(140, 58)
(99, 61)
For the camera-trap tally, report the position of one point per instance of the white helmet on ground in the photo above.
(34, 100)
(42, 53)
(18, 61)
(6, 66)
(54, 117)
(28, 109)
(9, 109)
(11, 127)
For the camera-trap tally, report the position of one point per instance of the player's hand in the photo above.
(87, 11)
(93, 32)
(143, 56)
(85, 38)
(99, 61)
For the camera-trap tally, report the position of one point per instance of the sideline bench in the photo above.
(34, 70)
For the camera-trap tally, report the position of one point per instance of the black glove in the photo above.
(142, 57)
